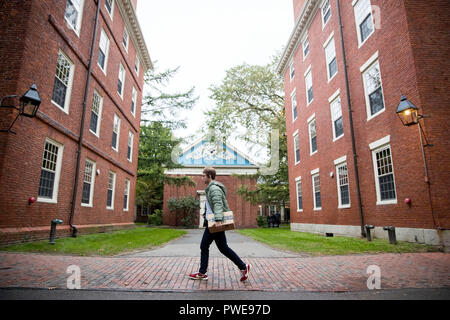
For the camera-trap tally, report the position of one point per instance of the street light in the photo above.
(29, 105)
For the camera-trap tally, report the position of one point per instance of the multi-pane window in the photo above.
(343, 186)
(299, 195)
(312, 135)
(336, 118)
(63, 82)
(330, 55)
(309, 89)
(384, 174)
(291, 70)
(116, 133)
(73, 14)
(297, 148)
(130, 146)
(88, 183)
(294, 106)
(121, 80)
(103, 51)
(364, 20)
(50, 171)
(133, 101)
(111, 190)
(137, 64)
(96, 114)
(373, 89)
(316, 190)
(326, 12)
(305, 46)
(109, 4)
(126, 195)
(125, 39)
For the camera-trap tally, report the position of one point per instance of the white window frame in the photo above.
(358, 23)
(59, 157)
(91, 191)
(291, 70)
(111, 14)
(376, 147)
(126, 39)
(99, 114)
(103, 35)
(298, 181)
(137, 65)
(296, 135)
(305, 40)
(127, 193)
(116, 129)
(308, 73)
(322, 15)
(121, 77)
(77, 27)
(332, 100)
(134, 101)
(338, 164)
(66, 106)
(316, 173)
(310, 120)
(113, 190)
(329, 58)
(130, 145)
(364, 69)
(294, 104)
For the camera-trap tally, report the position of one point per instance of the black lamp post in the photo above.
(29, 105)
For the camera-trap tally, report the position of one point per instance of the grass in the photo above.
(315, 245)
(102, 244)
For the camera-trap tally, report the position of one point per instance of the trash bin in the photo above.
(391, 233)
(369, 227)
(53, 230)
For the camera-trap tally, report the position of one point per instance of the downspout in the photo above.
(349, 104)
(83, 116)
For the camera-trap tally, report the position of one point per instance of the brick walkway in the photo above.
(336, 273)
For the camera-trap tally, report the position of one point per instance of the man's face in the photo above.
(206, 179)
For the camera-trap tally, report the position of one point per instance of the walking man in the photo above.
(216, 202)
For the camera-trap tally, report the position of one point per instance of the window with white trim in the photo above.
(103, 51)
(133, 102)
(109, 4)
(62, 86)
(50, 172)
(296, 148)
(96, 114)
(125, 38)
(312, 135)
(291, 71)
(294, 105)
(364, 20)
(88, 183)
(336, 118)
(316, 192)
(121, 80)
(137, 65)
(373, 90)
(384, 175)
(309, 89)
(130, 146)
(74, 13)
(298, 184)
(326, 12)
(343, 185)
(111, 190)
(330, 56)
(116, 133)
(126, 195)
(305, 46)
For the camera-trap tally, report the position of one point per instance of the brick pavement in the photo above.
(335, 273)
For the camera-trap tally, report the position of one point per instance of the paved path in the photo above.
(166, 269)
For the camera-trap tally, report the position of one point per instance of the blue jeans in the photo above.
(221, 242)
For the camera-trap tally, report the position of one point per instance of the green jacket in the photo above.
(216, 193)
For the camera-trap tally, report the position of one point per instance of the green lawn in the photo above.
(102, 244)
(315, 245)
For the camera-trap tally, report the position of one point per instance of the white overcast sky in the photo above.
(207, 37)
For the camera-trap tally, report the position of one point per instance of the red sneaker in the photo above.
(245, 272)
(198, 276)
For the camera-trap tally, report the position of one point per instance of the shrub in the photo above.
(261, 220)
(155, 218)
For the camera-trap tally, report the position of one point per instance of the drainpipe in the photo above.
(83, 116)
(349, 104)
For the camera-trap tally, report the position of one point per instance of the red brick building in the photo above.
(351, 161)
(79, 53)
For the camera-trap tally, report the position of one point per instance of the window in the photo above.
(109, 4)
(133, 102)
(373, 89)
(63, 82)
(309, 89)
(125, 39)
(137, 64)
(50, 172)
(74, 12)
(316, 190)
(130, 146)
(88, 183)
(305, 45)
(336, 118)
(116, 133)
(103, 51)
(384, 172)
(364, 20)
(294, 106)
(343, 188)
(126, 195)
(312, 134)
(96, 114)
(330, 56)
(111, 190)
(299, 194)
(121, 81)
(291, 71)
(326, 12)
(296, 148)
